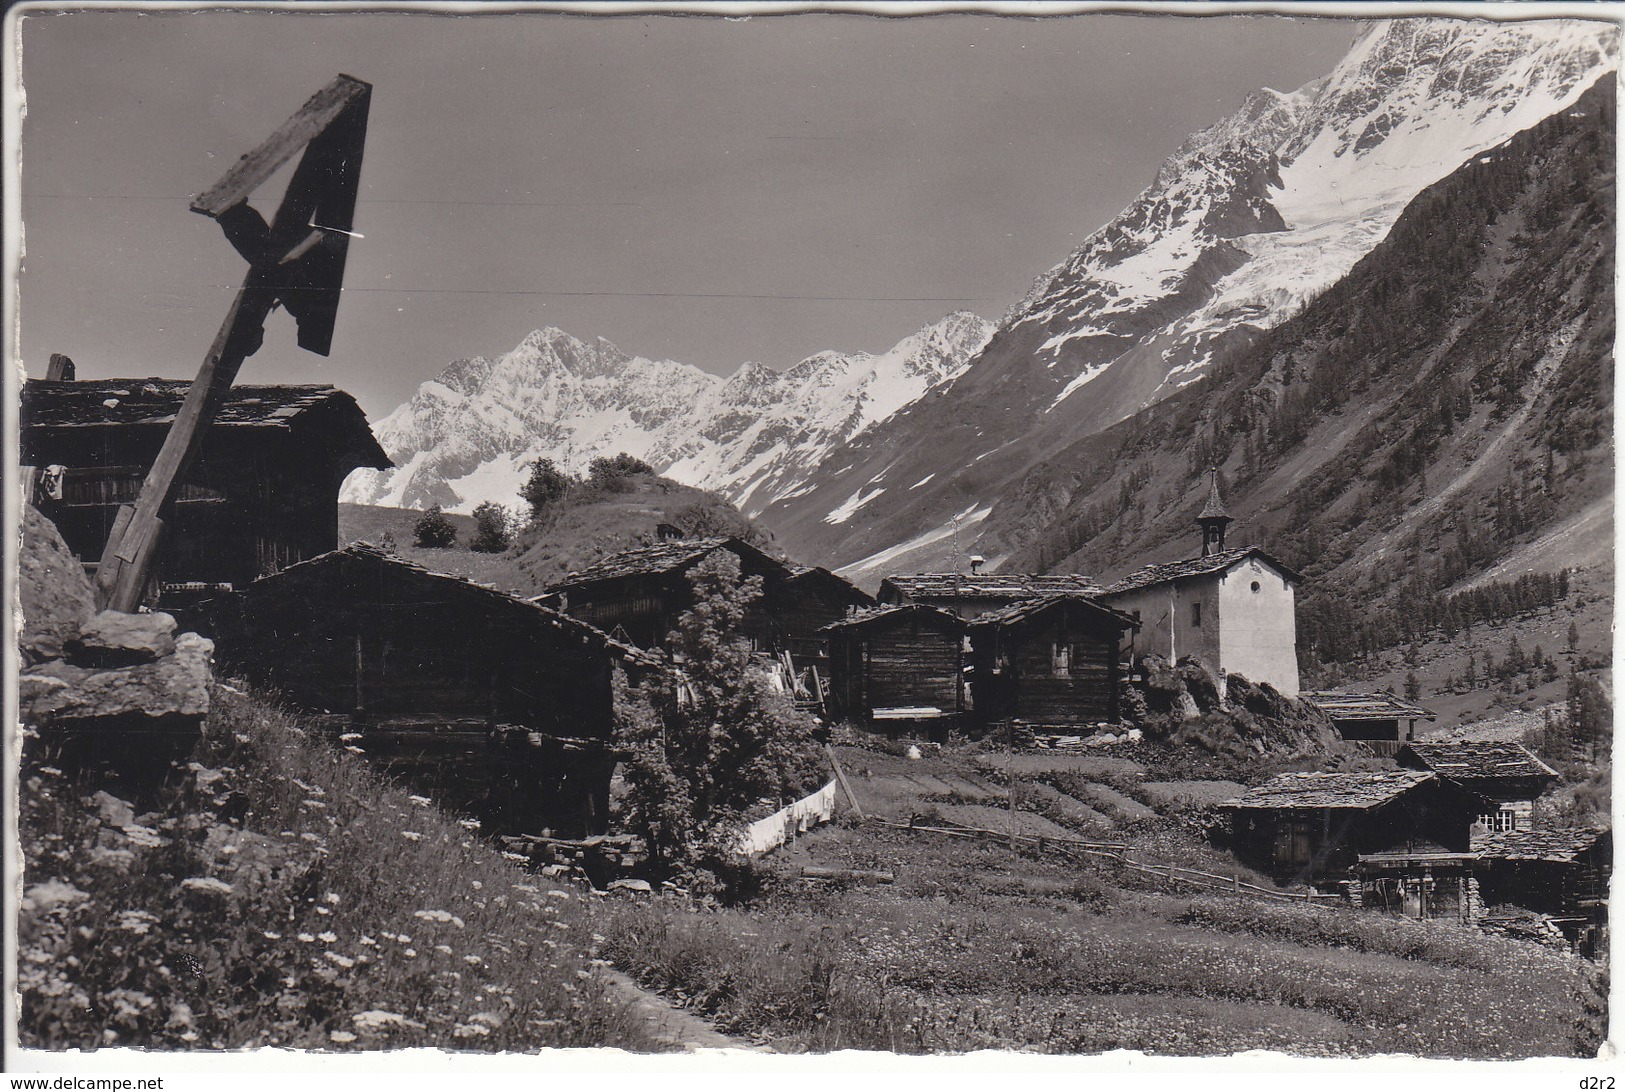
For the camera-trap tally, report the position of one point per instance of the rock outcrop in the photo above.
(108, 694)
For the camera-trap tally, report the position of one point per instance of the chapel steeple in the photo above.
(1213, 520)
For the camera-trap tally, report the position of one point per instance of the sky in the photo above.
(704, 189)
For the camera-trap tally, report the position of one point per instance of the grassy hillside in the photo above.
(588, 523)
(979, 946)
(280, 894)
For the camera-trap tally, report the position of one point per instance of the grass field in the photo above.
(976, 946)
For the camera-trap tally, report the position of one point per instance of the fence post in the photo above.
(1235, 882)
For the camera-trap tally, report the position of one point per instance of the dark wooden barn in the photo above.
(1381, 721)
(1312, 826)
(1564, 873)
(899, 663)
(809, 599)
(506, 705)
(973, 594)
(1051, 662)
(262, 494)
(1508, 776)
(642, 592)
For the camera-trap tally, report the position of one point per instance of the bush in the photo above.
(493, 529)
(434, 531)
(610, 473)
(696, 765)
(546, 484)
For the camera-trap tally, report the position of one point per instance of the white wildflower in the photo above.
(420, 801)
(207, 883)
(139, 922)
(411, 836)
(378, 1020)
(44, 896)
(342, 1036)
(343, 961)
(327, 938)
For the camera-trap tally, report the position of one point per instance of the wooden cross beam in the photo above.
(297, 261)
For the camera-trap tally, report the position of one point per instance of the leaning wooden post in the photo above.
(127, 560)
(297, 260)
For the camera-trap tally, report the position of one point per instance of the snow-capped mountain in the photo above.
(1242, 226)
(469, 434)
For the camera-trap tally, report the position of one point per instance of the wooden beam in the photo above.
(289, 139)
(121, 577)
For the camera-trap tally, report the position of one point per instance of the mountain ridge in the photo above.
(1190, 272)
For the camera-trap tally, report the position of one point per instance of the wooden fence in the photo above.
(1119, 852)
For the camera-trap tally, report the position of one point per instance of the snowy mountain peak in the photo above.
(469, 434)
(1263, 210)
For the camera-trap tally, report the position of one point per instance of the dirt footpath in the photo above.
(680, 1028)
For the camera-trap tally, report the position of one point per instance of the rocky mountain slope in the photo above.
(1243, 226)
(468, 434)
(1410, 435)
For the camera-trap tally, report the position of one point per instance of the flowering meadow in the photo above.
(978, 947)
(279, 894)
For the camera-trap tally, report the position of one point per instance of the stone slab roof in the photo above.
(987, 585)
(863, 619)
(1540, 845)
(1197, 566)
(1383, 706)
(1021, 612)
(1468, 760)
(104, 403)
(1331, 790)
(514, 606)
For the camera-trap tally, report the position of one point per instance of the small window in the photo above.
(1060, 659)
(1255, 586)
(1196, 615)
(1136, 615)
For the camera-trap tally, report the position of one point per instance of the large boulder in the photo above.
(177, 685)
(55, 597)
(115, 639)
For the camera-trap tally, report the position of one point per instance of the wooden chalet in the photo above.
(642, 592)
(810, 599)
(490, 703)
(1507, 776)
(897, 664)
(1381, 721)
(1507, 875)
(1310, 826)
(1564, 873)
(1051, 662)
(262, 494)
(973, 594)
